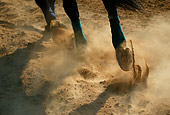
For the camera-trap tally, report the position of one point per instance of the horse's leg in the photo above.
(52, 5)
(123, 54)
(117, 33)
(71, 9)
(46, 9)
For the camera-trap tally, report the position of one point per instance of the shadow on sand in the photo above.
(13, 100)
(95, 106)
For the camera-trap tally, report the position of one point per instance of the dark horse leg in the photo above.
(123, 54)
(71, 9)
(47, 7)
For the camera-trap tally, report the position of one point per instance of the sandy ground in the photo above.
(39, 78)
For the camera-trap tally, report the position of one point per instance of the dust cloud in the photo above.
(99, 62)
(154, 40)
(154, 43)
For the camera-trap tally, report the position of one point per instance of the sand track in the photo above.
(39, 78)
